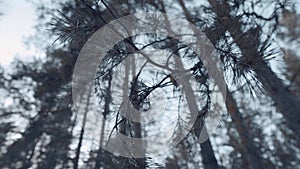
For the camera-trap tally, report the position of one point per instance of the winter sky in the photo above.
(16, 23)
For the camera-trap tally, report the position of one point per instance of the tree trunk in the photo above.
(107, 102)
(249, 150)
(285, 101)
(208, 157)
(82, 129)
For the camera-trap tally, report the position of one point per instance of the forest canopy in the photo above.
(130, 84)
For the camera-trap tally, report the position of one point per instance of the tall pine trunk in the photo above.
(285, 101)
(250, 152)
(208, 156)
(107, 102)
(77, 156)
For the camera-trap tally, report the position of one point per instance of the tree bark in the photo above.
(250, 152)
(82, 130)
(208, 157)
(284, 101)
(107, 102)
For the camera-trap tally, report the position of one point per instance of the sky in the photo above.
(16, 24)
